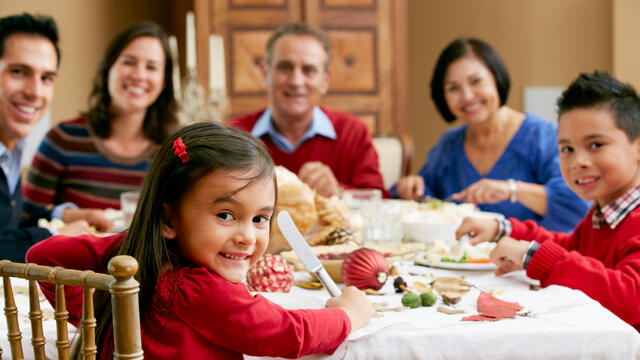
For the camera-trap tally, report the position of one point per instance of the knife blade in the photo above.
(302, 249)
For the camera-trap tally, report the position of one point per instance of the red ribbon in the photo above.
(181, 150)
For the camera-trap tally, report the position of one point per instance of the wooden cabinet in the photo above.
(368, 64)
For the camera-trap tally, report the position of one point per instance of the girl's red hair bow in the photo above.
(181, 150)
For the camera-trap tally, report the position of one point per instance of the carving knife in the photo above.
(308, 258)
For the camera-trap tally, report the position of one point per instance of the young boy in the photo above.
(599, 144)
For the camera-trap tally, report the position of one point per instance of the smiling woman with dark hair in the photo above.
(90, 160)
(502, 159)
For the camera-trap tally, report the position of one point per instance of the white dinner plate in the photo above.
(455, 266)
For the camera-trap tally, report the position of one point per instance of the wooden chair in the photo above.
(395, 153)
(124, 301)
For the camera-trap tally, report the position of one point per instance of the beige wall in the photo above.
(543, 43)
(626, 52)
(86, 27)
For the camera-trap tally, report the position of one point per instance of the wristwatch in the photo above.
(513, 190)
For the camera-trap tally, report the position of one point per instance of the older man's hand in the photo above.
(320, 178)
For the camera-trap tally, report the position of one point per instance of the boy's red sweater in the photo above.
(603, 263)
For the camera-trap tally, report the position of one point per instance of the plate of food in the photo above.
(453, 255)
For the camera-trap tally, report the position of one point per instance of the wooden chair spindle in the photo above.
(11, 312)
(35, 315)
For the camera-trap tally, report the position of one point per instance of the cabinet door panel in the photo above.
(348, 3)
(257, 3)
(247, 49)
(353, 61)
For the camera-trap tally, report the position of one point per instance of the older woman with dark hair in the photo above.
(502, 159)
(90, 160)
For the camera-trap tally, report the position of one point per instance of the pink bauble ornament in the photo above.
(270, 274)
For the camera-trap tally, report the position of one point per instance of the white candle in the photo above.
(191, 41)
(173, 46)
(217, 76)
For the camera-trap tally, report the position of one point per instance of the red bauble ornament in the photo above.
(365, 269)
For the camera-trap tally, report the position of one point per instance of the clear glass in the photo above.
(353, 199)
(381, 222)
(128, 203)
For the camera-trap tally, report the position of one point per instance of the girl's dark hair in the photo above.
(160, 119)
(210, 148)
(599, 89)
(463, 47)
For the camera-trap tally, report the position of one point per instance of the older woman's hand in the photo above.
(485, 191)
(479, 230)
(410, 187)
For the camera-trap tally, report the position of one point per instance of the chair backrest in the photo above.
(395, 153)
(124, 301)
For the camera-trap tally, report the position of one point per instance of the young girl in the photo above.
(202, 220)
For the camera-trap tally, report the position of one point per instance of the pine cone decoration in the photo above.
(270, 274)
(342, 235)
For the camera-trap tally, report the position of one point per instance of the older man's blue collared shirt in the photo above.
(320, 126)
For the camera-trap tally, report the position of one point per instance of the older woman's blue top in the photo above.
(531, 156)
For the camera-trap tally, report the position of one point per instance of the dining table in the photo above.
(555, 322)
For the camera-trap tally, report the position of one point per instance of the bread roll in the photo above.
(299, 200)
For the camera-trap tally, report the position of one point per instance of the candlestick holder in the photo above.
(218, 105)
(193, 108)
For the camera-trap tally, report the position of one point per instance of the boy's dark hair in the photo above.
(299, 29)
(160, 120)
(210, 148)
(26, 23)
(467, 47)
(599, 89)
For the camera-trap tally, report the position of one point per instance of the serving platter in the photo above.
(455, 265)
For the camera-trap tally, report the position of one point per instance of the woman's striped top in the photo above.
(73, 165)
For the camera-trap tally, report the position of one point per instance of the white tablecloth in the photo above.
(564, 324)
(21, 296)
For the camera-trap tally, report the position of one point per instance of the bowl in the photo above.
(430, 224)
(428, 233)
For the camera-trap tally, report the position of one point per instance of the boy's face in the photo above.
(597, 160)
(221, 227)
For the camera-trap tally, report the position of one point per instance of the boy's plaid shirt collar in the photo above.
(614, 212)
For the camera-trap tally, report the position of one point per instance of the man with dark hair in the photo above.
(29, 59)
(329, 150)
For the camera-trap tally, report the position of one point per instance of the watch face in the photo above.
(513, 190)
